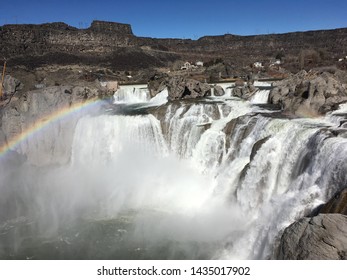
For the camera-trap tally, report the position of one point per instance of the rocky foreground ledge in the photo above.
(322, 237)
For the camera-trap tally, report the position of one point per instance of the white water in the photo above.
(227, 87)
(262, 84)
(261, 204)
(260, 97)
(131, 94)
(137, 94)
(160, 99)
(182, 174)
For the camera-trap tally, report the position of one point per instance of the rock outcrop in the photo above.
(157, 83)
(108, 44)
(309, 93)
(323, 237)
(10, 85)
(245, 91)
(179, 87)
(182, 88)
(111, 27)
(218, 90)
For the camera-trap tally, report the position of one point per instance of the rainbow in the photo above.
(45, 121)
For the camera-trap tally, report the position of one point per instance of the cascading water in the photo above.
(208, 179)
(131, 94)
(135, 94)
(262, 94)
(260, 97)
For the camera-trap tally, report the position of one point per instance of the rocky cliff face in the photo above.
(115, 45)
(59, 37)
(103, 43)
(323, 237)
(111, 27)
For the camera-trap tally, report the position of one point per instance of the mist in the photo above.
(170, 209)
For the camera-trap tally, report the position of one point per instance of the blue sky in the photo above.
(184, 18)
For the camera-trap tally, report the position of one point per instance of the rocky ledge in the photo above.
(179, 87)
(322, 237)
(312, 93)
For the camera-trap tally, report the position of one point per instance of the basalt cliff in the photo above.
(113, 45)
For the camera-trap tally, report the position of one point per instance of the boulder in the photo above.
(10, 85)
(245, 92)
(182, 88)
(309, 93)
(323, 237)
(179, 87)
(157, 83)
(218, 90)
(237, 91)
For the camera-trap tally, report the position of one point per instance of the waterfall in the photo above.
(113, 135)
(261, 97)
(262, 84)
(262, 94)
(131, 94)
(207, 179)
(134, 94)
